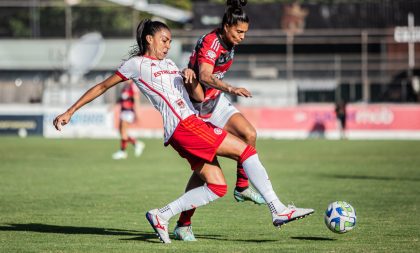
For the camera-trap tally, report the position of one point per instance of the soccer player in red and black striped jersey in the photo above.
(210, 60)
(129, 102)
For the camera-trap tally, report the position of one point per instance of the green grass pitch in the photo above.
(61, 195)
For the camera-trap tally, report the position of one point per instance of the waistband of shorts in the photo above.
(187, 119)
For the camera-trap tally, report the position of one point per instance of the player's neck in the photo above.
(226, 42)
(150, 56)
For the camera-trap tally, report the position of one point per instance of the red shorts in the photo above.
(196, 140)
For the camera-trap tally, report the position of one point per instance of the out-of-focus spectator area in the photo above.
(302, 54)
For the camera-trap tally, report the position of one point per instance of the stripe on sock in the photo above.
(218, 189)
(249, 151)
(123, 144)
(185, 218)
(241, 178)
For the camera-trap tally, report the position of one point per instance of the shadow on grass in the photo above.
(372, 178)
(45, 228)
(312, 238)
(138, 235)
(213, 237)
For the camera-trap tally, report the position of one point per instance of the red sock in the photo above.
(185, 218)
(241, 178)
(132, 140)
(123, 144)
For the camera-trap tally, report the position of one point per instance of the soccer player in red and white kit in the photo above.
(129, 103)
(199, 142)
(210, 60)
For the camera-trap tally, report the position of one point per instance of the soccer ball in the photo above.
(340, 217)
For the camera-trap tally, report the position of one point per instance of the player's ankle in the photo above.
(241, 189)
(183, 224)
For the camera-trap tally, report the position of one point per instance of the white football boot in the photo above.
(119, 155)
(184, 233)
(138, 148)
(159, 224)
(289, 214)
(249, 194)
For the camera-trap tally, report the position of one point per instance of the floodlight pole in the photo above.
(289, 55)
(409, 34)
(411, 51)
(68, 21)
(365, 78)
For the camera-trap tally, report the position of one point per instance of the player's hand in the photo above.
(242, 92)
(189, 75)
(61, 120)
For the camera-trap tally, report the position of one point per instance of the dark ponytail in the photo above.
(234, 13)
(145, 27)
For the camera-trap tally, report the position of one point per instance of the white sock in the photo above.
(194, 198)
(259, 178)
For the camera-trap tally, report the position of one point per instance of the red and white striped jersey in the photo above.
(128, 93)
(161, 82)
(211, 49)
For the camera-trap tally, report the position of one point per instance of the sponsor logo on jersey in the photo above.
(218, 131)
(180, 103)
(220, 75)
(223, 58)
(211, 55)
(125, 95)
(165, 71)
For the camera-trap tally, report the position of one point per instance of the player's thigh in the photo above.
(231, 147)
(123, 128)
(211, 173)
(239, 126)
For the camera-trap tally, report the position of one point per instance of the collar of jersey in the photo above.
(150, 57)
(219, 36)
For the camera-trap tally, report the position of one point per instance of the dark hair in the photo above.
(145, 27)
(234, 13)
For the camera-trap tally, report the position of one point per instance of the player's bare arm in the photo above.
(192, 86)
(207, 77)
(90, 95)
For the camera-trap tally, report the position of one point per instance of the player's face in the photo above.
(235, 34)
(160, 44)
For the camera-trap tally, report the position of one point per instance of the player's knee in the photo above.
(250, 136)
(218, 189)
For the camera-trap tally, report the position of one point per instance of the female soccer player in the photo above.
(129, 102)
(210, 60)
(199, 142)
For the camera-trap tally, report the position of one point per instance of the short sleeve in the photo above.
(127, 69)
(209, 51)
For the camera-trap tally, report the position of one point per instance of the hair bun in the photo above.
(236, 3)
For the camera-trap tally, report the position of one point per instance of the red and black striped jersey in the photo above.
(127, 95)
(211, 49)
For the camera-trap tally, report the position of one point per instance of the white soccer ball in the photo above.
(340, 217)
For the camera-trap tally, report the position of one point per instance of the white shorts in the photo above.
(127, 116)
(222, 113)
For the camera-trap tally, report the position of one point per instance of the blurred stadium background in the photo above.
(299, 59)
